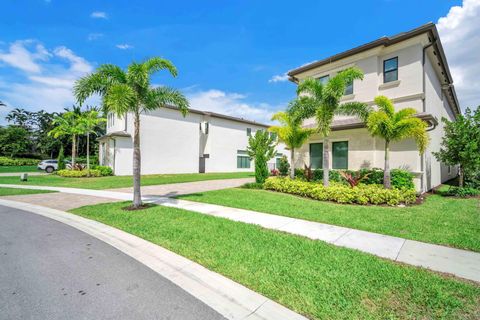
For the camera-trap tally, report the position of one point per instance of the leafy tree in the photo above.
(20, 117)
(68, 124)
(461, 144)
(61, 159)
(395, 126)
(323, 101)
(283, 166)
(261, 148)
(14, 140)
(130, 91)
(291, 133)
(89, 121)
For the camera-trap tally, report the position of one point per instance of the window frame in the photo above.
(333, 154)
(310, 155)
(249, 132)
(348, 85)
(323, 77)
(389, 71)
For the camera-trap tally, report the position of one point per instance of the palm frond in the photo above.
(310, 86)
(359, 109)
(138, 77)
(156, 64)
(385, 105)
(165, 96)
(112, 72)
(120, 99)
(89, 85)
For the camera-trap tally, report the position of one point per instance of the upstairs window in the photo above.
(323, 80)
(349, 88)
(390, 70)
(249, 132)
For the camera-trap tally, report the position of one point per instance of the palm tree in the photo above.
(323, 102)
(291, 133)
(89, 121)
(2, 104)
(68, 124)
(395, 126)
(129, 91)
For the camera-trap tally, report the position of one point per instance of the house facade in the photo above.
(170, 143)
(411, 69)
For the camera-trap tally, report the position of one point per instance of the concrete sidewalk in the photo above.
(17, 174)
(225, 296)
(461, 263)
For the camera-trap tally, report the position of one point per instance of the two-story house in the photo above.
(411, 69)
(170, 143)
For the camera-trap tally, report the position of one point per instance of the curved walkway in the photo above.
(461, 263)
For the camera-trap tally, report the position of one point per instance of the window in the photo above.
(277, 162)
(390, 70)
(249, 132)
(316, 155)
(243, 160)
(349, 89)
(324, 79)
(340, 155)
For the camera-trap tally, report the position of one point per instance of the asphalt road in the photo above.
(49, 270)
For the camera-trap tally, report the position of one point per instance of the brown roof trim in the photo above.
(221, 116)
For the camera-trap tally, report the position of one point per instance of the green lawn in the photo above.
(314, 278)
(121, 181)
(15, 191)
(7, 169)
(440, 220)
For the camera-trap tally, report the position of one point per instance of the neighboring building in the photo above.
(411, 69)
(170, 143)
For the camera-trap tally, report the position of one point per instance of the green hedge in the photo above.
(401, 179)
(79, 173)
(104, 170)
(362, 194)
(6, 161)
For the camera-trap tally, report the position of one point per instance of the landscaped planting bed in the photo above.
(311, 277)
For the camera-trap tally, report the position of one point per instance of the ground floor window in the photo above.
(340, 155)
(243, 160)
(316, 155)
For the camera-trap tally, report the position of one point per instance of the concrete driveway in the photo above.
(52, 271)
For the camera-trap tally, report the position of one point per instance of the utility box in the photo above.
(24, 177)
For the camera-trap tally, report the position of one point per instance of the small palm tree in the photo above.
(89, 121)
(395, 126)
(291, 133)
(323, 102)
(129, 91)
(67, 124)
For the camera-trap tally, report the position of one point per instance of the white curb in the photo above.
(227, 297)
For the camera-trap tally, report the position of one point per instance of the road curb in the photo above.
(227, 297)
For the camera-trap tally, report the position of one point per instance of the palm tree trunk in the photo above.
(74, 147)
(292, 166)
(326, 162)
(137, 197)
(386, 170)
(88, 151)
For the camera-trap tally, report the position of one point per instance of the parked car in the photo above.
(50, 165)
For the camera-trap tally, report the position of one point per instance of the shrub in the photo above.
(283, 166)
(6, 161)
(274, 172)
(362, 194)
(79, 173)
(61, 159)
(461, 192)
(104, 170)
(402, 179)
(252, 185)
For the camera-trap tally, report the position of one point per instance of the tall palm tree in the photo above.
(89, 121)
(129, 91)
(395, 126)
(68, 124)
(323, 102)
(291, 133)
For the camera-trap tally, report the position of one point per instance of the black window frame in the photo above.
(333, 154)
(310, 155)
(390, 71)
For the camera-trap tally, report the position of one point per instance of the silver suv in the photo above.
(48, 165)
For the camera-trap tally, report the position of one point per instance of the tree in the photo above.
(323, 102)
(68, 124)
(395, 126)
(461, 144)
(261, 148)
(291, 133)
(14, 140)
(88, 123)
(61, 159)
(130, 91)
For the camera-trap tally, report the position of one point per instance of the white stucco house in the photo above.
(411, 69)
(170, 143)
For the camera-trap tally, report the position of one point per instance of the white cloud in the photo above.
(19, 56)
(47, 82)
(278, 78)
(232, 104)
(98, 15)
(124, 46)
(460, 35)
(94, 36)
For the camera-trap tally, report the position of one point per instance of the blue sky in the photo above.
(227, 52)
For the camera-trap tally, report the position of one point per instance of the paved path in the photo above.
(53, 271)
(57, 256)
(461, 263)
(174, 189)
